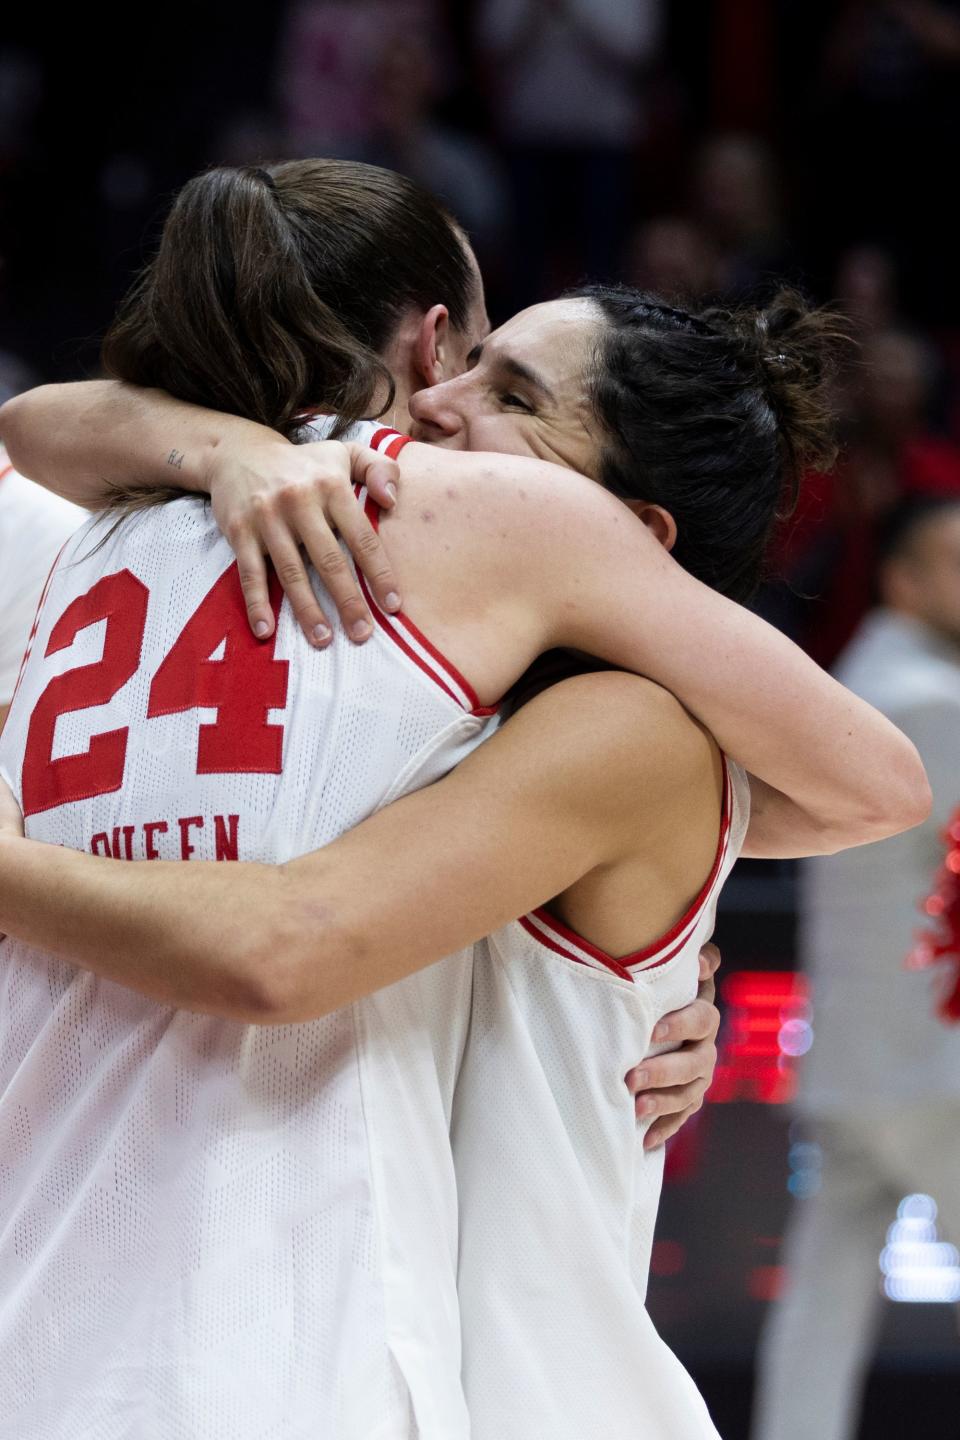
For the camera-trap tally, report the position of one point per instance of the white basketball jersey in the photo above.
(558, 1197)
(198, 1238)
(33, 526)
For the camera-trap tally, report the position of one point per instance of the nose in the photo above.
(437, 411)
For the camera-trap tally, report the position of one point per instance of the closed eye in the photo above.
(513, 402)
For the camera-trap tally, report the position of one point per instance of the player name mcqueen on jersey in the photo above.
(171, 839)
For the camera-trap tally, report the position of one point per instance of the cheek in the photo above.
(501, 434)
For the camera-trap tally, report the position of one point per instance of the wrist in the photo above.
(234, 442)
(16, 877)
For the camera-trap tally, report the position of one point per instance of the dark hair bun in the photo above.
(798, 351)
(714, 414)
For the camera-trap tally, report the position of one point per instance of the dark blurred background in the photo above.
(705, 149)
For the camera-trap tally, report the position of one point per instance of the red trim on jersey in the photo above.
(5, 471)
(395, 625)
(398, 639)
(551, 942)
(680, 932)
(395, 439)
(36, 619)
(559, 931)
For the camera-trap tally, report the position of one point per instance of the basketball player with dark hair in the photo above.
(319, 1155)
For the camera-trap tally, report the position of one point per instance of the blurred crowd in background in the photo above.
(702, 149)
(708, 151)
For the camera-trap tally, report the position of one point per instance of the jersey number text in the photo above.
(241, 686)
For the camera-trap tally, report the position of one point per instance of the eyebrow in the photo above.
(509, 365)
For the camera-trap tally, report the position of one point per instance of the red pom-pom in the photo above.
(941, 944)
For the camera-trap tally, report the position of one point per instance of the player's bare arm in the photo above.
(92, 441)
(562, 790)
(565, 563)
(494, 546)
(138, 925)
(546, 560)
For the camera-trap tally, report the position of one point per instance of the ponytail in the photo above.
(227, 315)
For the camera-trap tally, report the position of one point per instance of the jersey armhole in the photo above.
(556, 936)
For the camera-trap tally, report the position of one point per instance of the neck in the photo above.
(397, 358)
(398, 415)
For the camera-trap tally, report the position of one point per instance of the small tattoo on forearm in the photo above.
(175, 458)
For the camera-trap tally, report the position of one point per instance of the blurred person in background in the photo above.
(866, 288)
(330, 54)
(736, 203)
(885, 113)
(570, 105)
(669, 255)
(881, 1084)
(891, 451)
(361, 79)
(405, 136)
(34, 525)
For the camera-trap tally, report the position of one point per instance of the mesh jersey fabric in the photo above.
(558, 1198)
(33, 526)
(194, 1239)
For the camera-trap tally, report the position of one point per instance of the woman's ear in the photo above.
(660, 521)
(431, 346)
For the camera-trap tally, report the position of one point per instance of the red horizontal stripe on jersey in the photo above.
(396, 441)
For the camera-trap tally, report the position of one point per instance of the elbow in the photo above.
(292, 969)
(907, 800)
(270, 985)
(11, 427)
(922, 796)
(26, 420)
(900, 802)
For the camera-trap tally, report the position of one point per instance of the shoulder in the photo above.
(554, 546)
(528, 492)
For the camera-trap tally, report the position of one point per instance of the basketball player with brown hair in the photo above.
(197, 1137)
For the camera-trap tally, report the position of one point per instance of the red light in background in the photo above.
(669, 1258)
(766, 1282)
(766, 1028)
(684, 1152)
